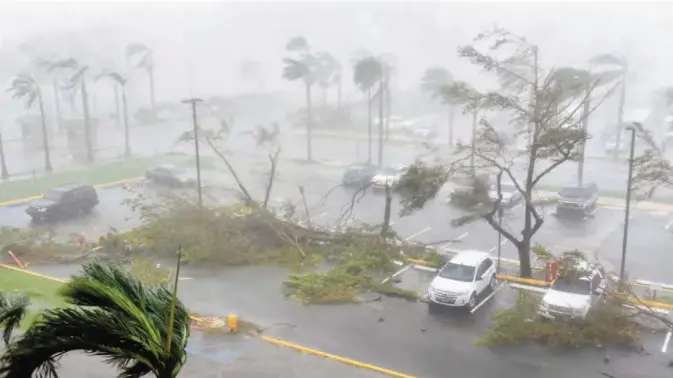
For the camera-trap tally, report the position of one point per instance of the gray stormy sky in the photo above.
(209, 40)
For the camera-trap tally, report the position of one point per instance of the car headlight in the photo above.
(432, 291)
(544, 306)
(42, 210)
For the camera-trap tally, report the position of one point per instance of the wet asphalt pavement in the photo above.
(392, 333)
(328, 205)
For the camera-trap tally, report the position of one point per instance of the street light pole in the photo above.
(627, 212)
(497, 268)
(194, 101)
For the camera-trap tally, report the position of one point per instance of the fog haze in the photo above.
(208, 41)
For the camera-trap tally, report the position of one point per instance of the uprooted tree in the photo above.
(248, 230)
(543, 107)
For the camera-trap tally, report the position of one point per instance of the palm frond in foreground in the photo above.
(115, 317)
(12, 311)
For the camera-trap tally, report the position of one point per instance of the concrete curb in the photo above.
(347, 361)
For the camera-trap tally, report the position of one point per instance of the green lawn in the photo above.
(97, 174)
(43, 293)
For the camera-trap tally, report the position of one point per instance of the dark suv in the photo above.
(359, 175)
(63, 202)
(576, 201)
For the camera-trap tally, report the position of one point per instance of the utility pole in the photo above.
(627, 212)
(194, 101)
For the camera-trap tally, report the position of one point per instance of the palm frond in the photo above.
(297, 44)
(69, 63)
(12, 311)
(366, 72)
(117, 318)
(24, 87)
(295, 69)
(116, 77)
(435, 78)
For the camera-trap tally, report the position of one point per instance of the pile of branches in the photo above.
(36, 245)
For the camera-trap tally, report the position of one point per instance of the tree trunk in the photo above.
(45, 134)
(127, 136)
(451, 119)
(381, 121)
(324, 102)
(620, 116)
(117, 110)
(87, 123)
(388, 108)
(57, 104)
(94, 102)
(582, 147)
(339, 91)
(473, 143)
(385, 227)
(309, 121)
(3, 161)
(150, 74)
(523, 249)
(369, 125)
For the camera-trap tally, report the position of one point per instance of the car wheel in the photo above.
(472, 301)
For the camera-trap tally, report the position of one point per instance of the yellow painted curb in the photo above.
(528, 281)
(103, 185)
(344, 360)
(417, 261)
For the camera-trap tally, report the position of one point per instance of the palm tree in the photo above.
(364, 78)
(367, 71)
(433, 80)
(459, 92)
(25, 87)
(3, 162)
(144, 59)
(302, 68)
(326, 74)
(12, 311)
(615, 66)
(78, 78)
(140, 329)
(120, 81)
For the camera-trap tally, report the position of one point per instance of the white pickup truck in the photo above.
(572, 298)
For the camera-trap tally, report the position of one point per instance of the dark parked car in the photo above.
(359, 174)
(576, 201)
(64, 202)
(170, 175)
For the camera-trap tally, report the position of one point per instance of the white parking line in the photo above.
(487, 298)
(515, 207)
(319, 216)
(503, 242)
(184, 278)
(664, 348)
(404, 269)
(448, 244)
(668, 225)
(420, 232)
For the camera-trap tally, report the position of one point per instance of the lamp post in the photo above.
(497, 268)
(194, 101)
(627, 212)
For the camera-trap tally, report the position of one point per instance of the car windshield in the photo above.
(53, 195)
(575, 192)
(572, 286)
(458, 272)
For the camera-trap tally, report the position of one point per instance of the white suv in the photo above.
(462, 280)
(573, 298)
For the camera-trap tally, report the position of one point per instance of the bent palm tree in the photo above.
(144, 57)
(459, 92)
(615, 66)
(121, 82)
(433, 80)
(302, 68)
(26, 88)
(78, 78)
(12, 311)
(366, 72)
(116, 317)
